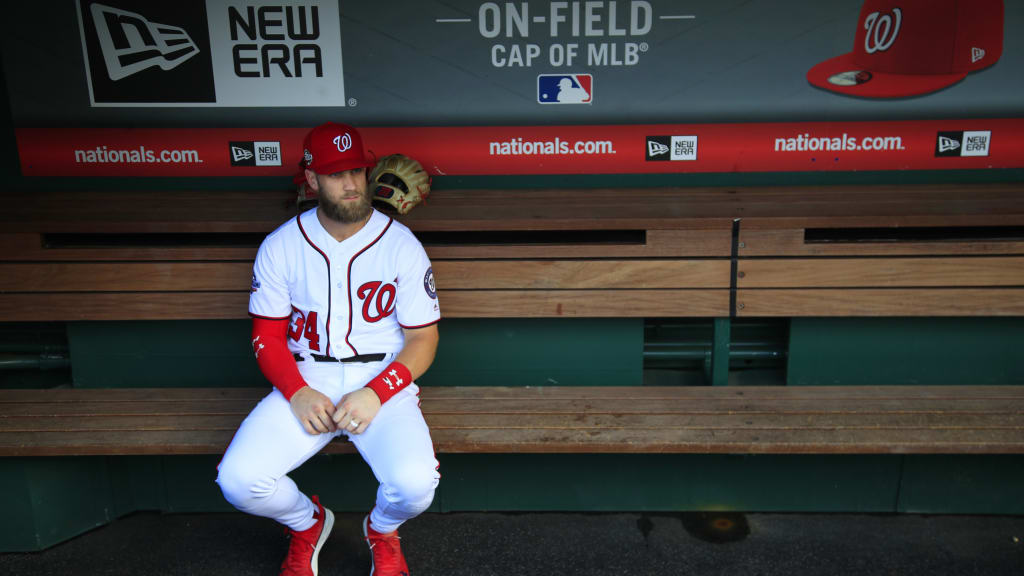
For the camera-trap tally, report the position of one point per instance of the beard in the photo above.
(349, 212)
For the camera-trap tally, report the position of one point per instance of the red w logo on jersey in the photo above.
(378, 300)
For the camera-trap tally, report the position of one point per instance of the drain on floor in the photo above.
(716, 526)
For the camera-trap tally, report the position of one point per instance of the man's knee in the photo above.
(244, 490)
(414, 486)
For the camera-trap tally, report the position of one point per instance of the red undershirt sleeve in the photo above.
(272, 355)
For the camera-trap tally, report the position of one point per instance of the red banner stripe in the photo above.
(764, 147)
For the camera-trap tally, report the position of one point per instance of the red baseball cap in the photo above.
(911, 47)
(333, 147)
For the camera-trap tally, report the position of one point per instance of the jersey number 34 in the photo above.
(304, 324)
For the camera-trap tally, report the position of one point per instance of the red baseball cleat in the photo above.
(304, 549)
(386, 557)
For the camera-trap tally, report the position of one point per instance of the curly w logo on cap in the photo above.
(334, 147)
(913, 47)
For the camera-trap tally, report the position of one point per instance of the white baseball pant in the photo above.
(271, 442)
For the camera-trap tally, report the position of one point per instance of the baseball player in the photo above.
(344, 320)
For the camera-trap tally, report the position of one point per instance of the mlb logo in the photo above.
(565, 89)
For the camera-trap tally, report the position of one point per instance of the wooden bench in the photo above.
(831, 251)
(750, 420)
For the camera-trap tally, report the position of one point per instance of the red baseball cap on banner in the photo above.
(911, 47)
(333, 147)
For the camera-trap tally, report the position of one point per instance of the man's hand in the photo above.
(314, 411)
(356, 410)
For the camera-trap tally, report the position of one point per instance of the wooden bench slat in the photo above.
(878, 419)
(150, 422)
(658, 243)
(52, 307)
(155, 395)
(451, 275)
(732, 442)
(881, 272)
(583, 303)
(87, 408)
(160, 397)
(114, 395)
(827, 422)
(132, 211)
(790, 242)
(718, 406)
(28, 247)
(115, 442)
(69, 306)
(620, 208)
(553, 441)
(625, 393)
(124, 276)
(529, 407)
(880, 302)
(582, 274)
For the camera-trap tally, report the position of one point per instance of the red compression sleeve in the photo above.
(273, 357)
(391, 381)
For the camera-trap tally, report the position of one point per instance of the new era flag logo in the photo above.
(948, 144)
(255, 153)
(963, 144)
(671, 148)
(262, 53)
(130, 43)
(240, 154)
(655, 148)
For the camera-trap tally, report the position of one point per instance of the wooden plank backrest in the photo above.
(601, 252)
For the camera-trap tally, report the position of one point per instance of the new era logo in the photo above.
(963, 144)
(264, 53)
(255, 153)
(948, 144)
(130, 43)
(977, 54)
(239, 154)
(655, 148)
(671, 148)
(140, 51)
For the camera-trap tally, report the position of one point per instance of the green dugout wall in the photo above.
(55, 498)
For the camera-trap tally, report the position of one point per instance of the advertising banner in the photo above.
(522, 87)
(655, 148)
(217, 53)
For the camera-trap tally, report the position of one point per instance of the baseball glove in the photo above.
(305, 196)
(399, 181)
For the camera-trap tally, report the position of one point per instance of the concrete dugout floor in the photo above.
(556, 544)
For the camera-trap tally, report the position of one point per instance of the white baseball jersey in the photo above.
(344, 298)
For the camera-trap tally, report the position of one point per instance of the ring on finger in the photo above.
(353, 424)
